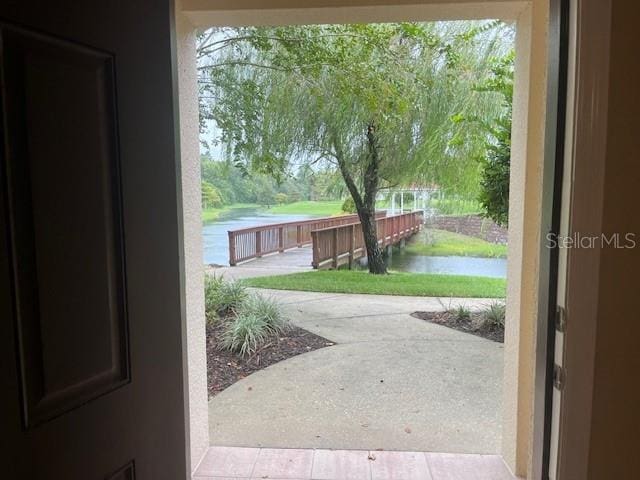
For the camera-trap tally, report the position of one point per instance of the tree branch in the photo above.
(229, 40)
(248, 64)
(371, 174)
(346, 174)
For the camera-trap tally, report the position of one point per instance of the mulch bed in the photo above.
(473, 325)
(470, 225)
(224, 368)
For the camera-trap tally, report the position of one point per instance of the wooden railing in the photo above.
(254, 242)
(343, 244)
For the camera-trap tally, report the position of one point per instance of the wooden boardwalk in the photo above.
(344, 244)
(334, 241)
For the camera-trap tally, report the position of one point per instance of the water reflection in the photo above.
(454, 265)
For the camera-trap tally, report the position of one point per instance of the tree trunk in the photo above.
(366, 204)
(375, 259)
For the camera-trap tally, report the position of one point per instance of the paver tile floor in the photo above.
(225, 463)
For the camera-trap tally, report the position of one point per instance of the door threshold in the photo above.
(319, 464)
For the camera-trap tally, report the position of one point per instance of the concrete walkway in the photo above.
(392, 382)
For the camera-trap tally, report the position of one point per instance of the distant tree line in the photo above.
(225, 184)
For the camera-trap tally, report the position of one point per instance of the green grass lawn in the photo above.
(442, 243)
(327, 208)
(412, 284)
(211, 214)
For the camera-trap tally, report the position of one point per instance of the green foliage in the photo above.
(244, 334)
(256, 319)
(212, 285)
(454, 205)
(266, 309)
(494, 193)
(461, 313)
(250, 318)
(295, 197)
(281, 198)
(222, 297)
(494, 315)
(236, 186)
(348, 206)
(210, 196)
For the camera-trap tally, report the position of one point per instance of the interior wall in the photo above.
(615, 420)
(196, 360)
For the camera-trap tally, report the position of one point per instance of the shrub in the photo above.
(244, 334)
(212, 285)
(494, 315)
(266, 309)
(461, 313)
(349, 206)
(281, 198)
(221, 297)
(494, 182)
(231, 295)
(295, 196)
(251, 318)
(211, 197)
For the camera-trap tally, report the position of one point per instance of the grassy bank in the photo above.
(325, 209)
(211, 214)
(412, 284)
(308, 207)
(442, 243)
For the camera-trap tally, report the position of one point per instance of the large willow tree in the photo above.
(376, 101)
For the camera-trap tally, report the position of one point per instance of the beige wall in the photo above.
(524, 234)
(529, 114)
(193, 256)
(277, 12)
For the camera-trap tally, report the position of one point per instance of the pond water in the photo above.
(454, 265)
(216, 238)
(216, 247)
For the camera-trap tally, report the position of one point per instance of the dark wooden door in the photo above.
(90, 281)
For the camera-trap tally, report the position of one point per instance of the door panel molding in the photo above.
(65, 222)
(128, 472)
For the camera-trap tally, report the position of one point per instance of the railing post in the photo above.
(281, 239)
(315, 248)
(352, 241)
(386, 231)
(334, 247)
(232, 248)
(258, 244)
(299, 235)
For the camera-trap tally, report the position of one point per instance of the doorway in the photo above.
(527, 153)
